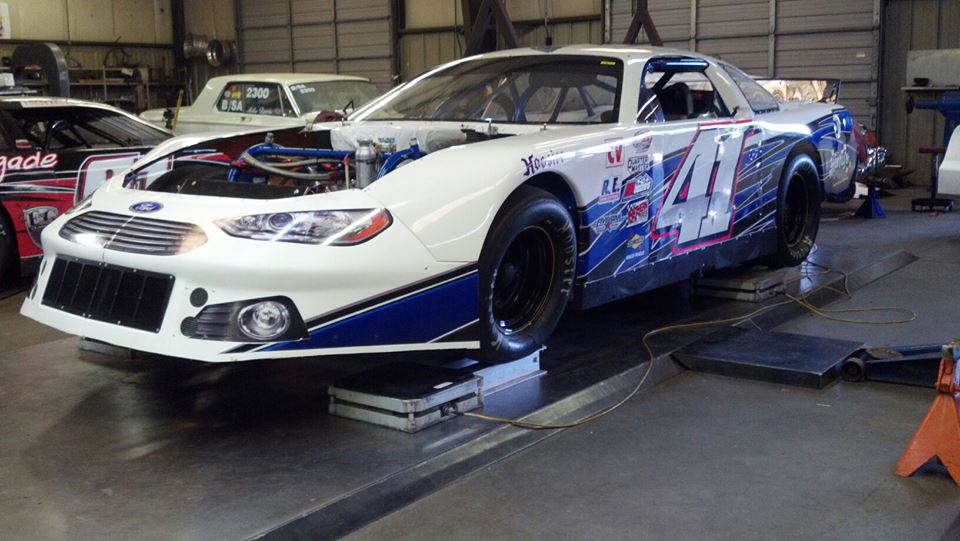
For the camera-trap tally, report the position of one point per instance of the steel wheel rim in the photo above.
(523, 280)
(795, 208)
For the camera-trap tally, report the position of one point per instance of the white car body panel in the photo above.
(443, 206)
(949, 173)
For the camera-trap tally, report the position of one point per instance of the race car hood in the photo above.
(176, 144)
(178, 206)
(448, 199)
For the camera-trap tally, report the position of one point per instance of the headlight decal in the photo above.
(324, 227)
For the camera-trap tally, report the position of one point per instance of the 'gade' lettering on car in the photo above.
(37, 160)
(534, 165)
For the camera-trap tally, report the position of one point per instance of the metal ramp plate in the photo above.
(412, 396)
(405, 396)
(745, 284)
(775, 357)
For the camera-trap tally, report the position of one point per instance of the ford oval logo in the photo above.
(146, 206)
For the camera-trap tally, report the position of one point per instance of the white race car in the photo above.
(465, 210)
(266, 100)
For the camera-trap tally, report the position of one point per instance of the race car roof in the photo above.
(616, 50)
(25, 102)
(282, 78)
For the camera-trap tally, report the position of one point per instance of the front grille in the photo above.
(133, 233)
(119, 295)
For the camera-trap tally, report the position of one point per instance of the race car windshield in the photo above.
(536, 89)
(332, 96)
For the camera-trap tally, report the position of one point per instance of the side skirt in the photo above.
(675, 269)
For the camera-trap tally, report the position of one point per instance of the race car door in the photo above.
(702, 149)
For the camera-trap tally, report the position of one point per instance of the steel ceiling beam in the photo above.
(480, 35)
(642, 20)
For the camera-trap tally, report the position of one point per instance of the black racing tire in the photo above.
(527, 268)
(9, 256)
(798, 210)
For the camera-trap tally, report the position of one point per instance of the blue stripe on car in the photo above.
(418, 318)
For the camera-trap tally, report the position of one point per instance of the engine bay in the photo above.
(310, 162)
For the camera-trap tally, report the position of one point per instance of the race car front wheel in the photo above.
(527, 268)
(798, 211)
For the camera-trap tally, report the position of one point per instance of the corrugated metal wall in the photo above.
(130, 21)
(776, 38)
(913, 24)
(326, 36)
(772, 38)
(430, 35)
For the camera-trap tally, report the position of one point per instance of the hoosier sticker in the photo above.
(533, 164)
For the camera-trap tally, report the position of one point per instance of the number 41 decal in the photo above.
(698, 203)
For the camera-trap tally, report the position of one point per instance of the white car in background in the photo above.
(266, 100)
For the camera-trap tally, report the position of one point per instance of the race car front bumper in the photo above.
(387, 294)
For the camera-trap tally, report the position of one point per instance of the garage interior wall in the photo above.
(144, 22)
(913, 24)
(86, 29)
(429, 34)
(800, 39)
(322, 36)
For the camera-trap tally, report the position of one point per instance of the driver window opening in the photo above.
(678, 89)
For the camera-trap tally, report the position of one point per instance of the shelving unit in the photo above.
(128, 88)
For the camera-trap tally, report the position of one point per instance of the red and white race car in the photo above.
(53, 153)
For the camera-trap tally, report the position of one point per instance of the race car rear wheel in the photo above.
(527, 268)
(798, 211)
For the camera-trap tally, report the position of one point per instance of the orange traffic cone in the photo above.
(939, 433)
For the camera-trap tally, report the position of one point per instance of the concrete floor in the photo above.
(708, 457)
(698, 457)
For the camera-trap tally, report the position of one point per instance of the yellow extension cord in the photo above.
(802, 301)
